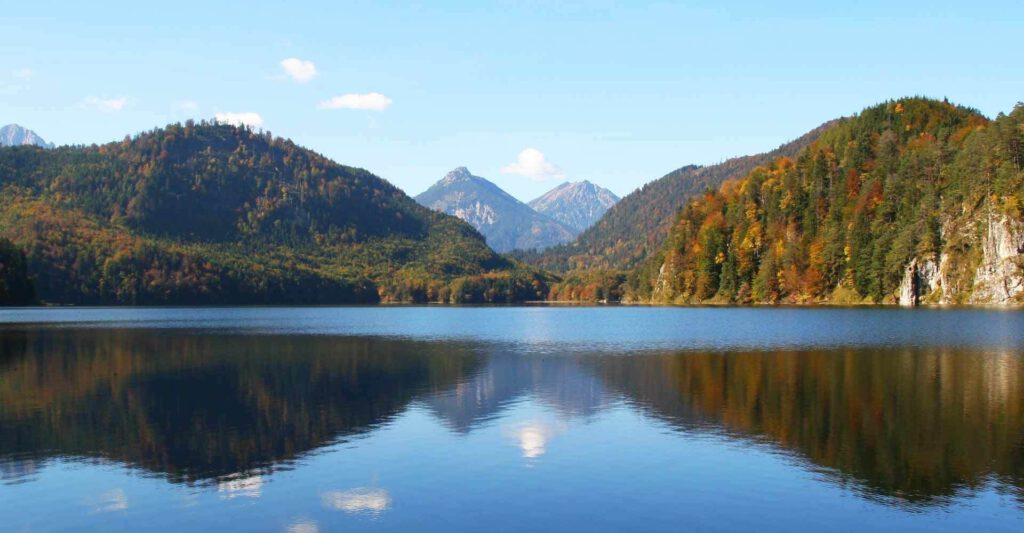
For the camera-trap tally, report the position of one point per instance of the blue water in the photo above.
(511, 418)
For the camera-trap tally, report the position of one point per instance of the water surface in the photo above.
(397, 418)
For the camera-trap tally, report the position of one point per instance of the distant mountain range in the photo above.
(15, 135)
(577, 205)
(504, 221)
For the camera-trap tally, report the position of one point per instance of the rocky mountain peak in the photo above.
(576, 204)
(15, 135)
(457, 174)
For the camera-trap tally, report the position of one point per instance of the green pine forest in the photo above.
(204, 213)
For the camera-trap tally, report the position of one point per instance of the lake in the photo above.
(511, 418)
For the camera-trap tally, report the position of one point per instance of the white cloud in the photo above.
(23, 73)
(253, 120)
(106, 104)
(532, 164)
(360, 500)
(368, 101)
(187, 105)
(298, 70)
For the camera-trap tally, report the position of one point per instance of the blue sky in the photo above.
(615, 92)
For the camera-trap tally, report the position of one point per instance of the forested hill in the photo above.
(212, 213)
(914, 200)
(637, 225)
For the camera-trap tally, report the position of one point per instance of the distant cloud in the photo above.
(105, 104)
(187, 105)
(23, 74)
(253, 120)
(532, 163)
(366, 101)
(298, 69)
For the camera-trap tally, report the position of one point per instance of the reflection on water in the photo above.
(197, 407)
(911, 424)
(912, 427)
(360, 500)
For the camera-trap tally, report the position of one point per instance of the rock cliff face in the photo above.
(997, 278)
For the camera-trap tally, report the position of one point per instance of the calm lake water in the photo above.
(511, 418)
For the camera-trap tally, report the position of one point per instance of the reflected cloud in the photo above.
(358, 500)
(304, 526)
(110, 501)
(533, 436)
(247, 487)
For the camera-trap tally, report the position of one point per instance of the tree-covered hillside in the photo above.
(912, 200)
(15, 286)
(637, 225)
(211, 213)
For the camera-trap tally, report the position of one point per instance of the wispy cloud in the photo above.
(105, 104)
(248, 118)
(17, 80)
(298, 69)
(365, 101)
(532, 163)
(186, 105)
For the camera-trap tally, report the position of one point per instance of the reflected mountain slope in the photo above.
(196, 407)
(560, 382)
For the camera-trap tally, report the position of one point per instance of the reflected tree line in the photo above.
(196, 407)
(918, 425)
(914, 425)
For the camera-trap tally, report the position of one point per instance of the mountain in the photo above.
(505, 222)
(911, 201)
(212, 213)
(15, 135)
(636, 226)
(577, 205)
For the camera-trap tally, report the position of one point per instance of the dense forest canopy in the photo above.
(15, 286)
(912, 179)
(207, 212)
